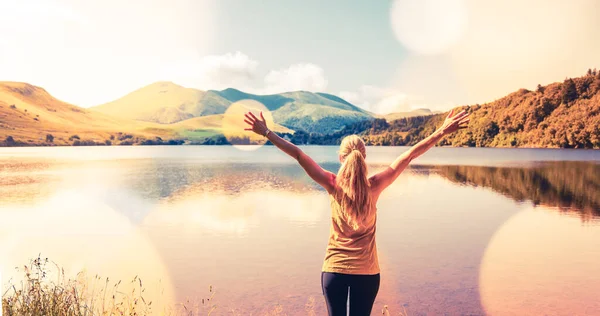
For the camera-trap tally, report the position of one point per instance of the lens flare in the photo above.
(428, 27)
(541, 263)
(81, 233)
(233, 124)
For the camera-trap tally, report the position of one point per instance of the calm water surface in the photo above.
(463, 231)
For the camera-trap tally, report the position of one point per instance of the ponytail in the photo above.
(353, 187)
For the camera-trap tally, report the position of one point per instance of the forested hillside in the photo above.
(559, 115)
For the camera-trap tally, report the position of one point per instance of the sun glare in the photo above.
(428, 27)
(81, 233)
(233, 125)
(532, 266)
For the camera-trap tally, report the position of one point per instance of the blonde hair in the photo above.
(352, 194)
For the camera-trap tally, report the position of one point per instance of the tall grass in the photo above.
(45, 290)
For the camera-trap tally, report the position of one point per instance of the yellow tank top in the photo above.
(351, 251)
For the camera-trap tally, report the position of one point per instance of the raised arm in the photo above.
(318, 174)
(386, 177)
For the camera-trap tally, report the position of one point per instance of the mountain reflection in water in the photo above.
(569, 186)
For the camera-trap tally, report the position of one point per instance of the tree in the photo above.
(10, 141)
(569, 91)
(540, 89)
(49, 138)
(492, 130)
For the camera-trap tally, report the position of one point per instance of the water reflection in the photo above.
(568, 186)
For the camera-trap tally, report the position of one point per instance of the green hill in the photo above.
(299, 110)
(166, 102)
(160, 102)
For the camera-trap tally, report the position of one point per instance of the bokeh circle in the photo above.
(233, 125)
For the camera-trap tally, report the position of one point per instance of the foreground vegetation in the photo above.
(39, 295)
(45, 290)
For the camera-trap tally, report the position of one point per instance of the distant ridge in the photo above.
(398, 115)
(167, 102)
(29, 116)
(560, 115)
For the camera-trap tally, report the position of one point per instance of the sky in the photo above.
(385, 56)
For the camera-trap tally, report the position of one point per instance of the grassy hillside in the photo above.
(317, 118)
(559, 115)
(160, 102)
(201, 128)
(302, 110)
(166, 102)
(28, 114)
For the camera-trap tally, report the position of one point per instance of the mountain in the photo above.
(166, 102)
(29, 113)
(160, 102)
(303, 110)
(398, 115)
(559, 115)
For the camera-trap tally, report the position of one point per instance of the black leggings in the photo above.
(362, 289)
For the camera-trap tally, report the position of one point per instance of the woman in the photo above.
(351, 266)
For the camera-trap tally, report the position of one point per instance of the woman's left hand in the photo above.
(455, 122)
(259, 126)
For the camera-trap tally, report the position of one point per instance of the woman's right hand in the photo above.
(456, 122)
(259, 126)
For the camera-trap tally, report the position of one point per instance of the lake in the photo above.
(463, 231)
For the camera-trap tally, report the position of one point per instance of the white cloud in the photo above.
(296, 77)
(213, 71)
(238, 70)
(388, 100)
